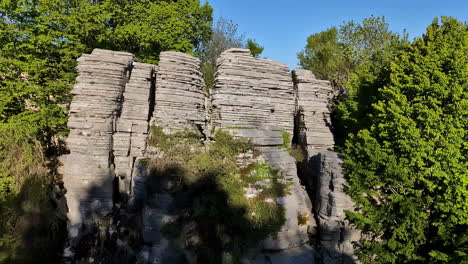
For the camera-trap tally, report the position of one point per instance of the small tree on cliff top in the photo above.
(408, 169)
(224, 36)
(254, 48)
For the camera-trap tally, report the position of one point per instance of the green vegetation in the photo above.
(334, 54)
(217, 218)
(403, 128)
(29, 221)
(295, 151)
(254, 48)
(39, 44)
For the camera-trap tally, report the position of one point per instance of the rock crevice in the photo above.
(117, 99)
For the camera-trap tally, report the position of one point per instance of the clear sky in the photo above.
(282, 26)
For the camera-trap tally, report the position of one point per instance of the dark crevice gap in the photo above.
(152, 96)
(306, 169)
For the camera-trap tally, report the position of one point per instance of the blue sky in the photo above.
(282, 26)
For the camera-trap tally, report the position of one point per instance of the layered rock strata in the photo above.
(313, 105)
(254, 99)
(252, 93)
(132, 126)
(88, 169)
(115, 100)
(336, 233)
(322, 169)
(180, 98)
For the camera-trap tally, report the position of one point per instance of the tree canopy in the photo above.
(39, 43)
(407, 167)
(335, 53)
(254, 48)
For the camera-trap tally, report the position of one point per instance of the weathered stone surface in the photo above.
(298, 208)
(87, 170)
(253, 98)
(313, 106)
(252, 92)
(259, 137)
(180, 98)
(336, 233)
(132, 125)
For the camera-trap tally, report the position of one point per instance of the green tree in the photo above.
(407, 168)
(142, 27)
(324, 56)
(355, 56)
(254, 48)
(39, 43)
(334, 54)
(224, 36)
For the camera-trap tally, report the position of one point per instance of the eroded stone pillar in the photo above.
(322, 171)
(88, 170)
(180, 98)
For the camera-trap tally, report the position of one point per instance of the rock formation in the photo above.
(313, 107)
(336, 234)
(252, 93)
(117, 99)
(88, 169)
(132, 124)
(322, 171)
(180, 98)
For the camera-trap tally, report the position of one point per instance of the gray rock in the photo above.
(313, 106)
(336, 233)
(252, 93)
(180, 99)
(87, 170)
(299, 219)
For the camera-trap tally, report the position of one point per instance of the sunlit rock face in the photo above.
(253, 93)
(116, 100)
(97, 100)
(180, 99)
(254, 98)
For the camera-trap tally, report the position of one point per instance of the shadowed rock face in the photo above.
(116, 98)
(322, 172)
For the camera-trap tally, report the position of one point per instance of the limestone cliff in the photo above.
(115, 102)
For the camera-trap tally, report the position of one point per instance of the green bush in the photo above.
(225, 223)
(32, 230)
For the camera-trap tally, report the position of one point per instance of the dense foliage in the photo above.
(408, 168)
(39, 43)
(334, 54)
(404, 124)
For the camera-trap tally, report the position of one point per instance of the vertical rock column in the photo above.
(313, 100)
(132, 125)
(88, 169)
(336, 233)
(179, 105)
(323, 170)
(180, 98)
(252, 93)
(254, 98)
